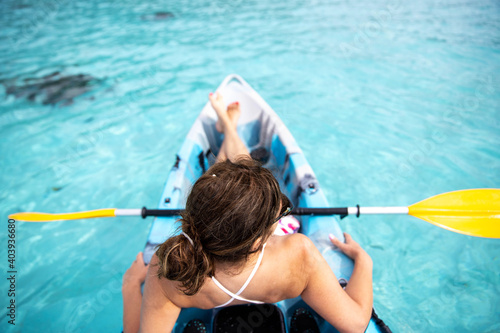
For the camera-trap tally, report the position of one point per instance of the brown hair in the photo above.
(229, 209)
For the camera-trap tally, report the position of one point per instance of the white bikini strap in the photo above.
(233, 296)
(259, 260)
(247, 282)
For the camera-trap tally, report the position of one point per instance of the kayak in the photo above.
(270, 142)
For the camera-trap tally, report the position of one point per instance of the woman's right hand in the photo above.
(352, 249)
(136, 274)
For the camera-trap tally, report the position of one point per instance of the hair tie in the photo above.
(188, 238)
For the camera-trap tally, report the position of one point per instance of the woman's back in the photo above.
(291, 267)
(282, 274)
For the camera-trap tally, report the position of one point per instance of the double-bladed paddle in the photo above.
(473, 212)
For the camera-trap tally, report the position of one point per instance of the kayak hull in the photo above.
(268, 140)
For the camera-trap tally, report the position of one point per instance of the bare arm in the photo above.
(158, 313)
(131, 293)
(360, 286)
(349, 310)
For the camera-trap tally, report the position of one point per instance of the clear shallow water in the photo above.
(392, 102)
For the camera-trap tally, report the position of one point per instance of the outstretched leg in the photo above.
(232, 146)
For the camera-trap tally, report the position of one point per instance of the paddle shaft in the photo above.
(344, 211)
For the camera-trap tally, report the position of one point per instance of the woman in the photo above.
(226, 253)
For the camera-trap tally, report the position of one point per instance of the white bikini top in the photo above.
(236, 296)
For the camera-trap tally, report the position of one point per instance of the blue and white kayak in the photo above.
(268, 140)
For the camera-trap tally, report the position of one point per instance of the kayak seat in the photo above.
(195, 326)
(303, 321)
(249, 318)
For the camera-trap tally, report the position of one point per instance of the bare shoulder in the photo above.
(152, 280)
(162, 287)
(303, 247)
(152, 269)
(154, 260)
(159, 285)
(301, 255)
(297, 241)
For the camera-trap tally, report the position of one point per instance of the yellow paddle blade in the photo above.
(471, 212)
(45, 217)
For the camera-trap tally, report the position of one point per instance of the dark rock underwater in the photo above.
(52, 89)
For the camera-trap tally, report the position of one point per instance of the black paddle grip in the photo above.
(320, 211)
(160, 212)
(296, 211)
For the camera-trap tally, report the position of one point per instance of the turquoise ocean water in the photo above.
(391, 101)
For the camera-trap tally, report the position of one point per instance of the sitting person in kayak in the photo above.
(226, 253)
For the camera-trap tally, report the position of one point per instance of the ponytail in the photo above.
(181, 261)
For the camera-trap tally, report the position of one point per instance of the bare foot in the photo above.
(226, 116)
(219, 126)
(219, 106)
(234, 111)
